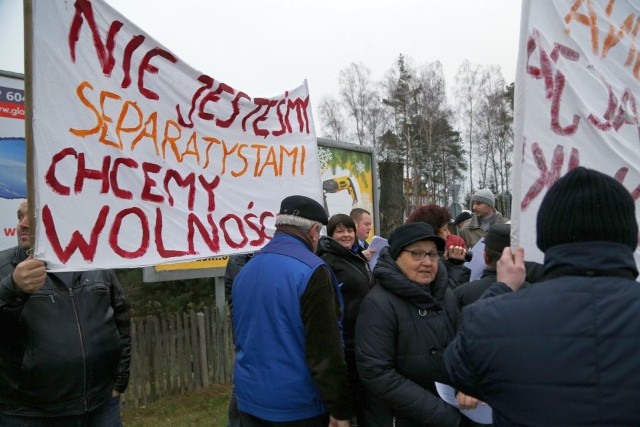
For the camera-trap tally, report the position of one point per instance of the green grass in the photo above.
(199, 408)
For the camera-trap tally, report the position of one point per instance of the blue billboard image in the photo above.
(13, 180)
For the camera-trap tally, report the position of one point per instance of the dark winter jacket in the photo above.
(562, 352)
(401, 332)
(471, 291)
(457, 273)
(352, 271)
(234, 265)
(64, 348)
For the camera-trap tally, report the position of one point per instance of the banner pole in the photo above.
(28, 117)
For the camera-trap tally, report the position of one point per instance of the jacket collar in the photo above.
(590, 256)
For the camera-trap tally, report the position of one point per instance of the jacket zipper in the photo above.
(367, 277)
(84, 356)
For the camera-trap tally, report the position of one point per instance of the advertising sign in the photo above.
(13, 181)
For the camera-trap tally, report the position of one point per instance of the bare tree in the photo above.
(495, 120)
(332, 118)
(358, 96)
(467, 98)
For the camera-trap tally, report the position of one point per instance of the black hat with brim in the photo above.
(406, 234)
(304, 207)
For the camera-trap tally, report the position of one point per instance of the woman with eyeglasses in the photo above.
(454, 254)
(404, 325)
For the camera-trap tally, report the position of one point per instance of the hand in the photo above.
(29, 275)
(511, 269)
(338, 423)
(368, 253)
(455, 252)
(465, 401)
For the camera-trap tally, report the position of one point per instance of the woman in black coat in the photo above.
(404, 325)
(344, 255)
(454, 256)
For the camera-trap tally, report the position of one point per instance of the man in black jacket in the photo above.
(565, 350)
(498, 237)
(65, 342)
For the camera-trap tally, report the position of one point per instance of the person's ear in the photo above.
(313, 228)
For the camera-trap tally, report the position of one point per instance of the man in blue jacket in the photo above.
(563, 351)
(290, 367)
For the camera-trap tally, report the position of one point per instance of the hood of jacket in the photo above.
(389, 276)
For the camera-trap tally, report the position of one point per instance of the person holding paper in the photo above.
(498, 237)
(405, 323)
(343, 254)
(562, 352)
(65, 342)
(364, 224)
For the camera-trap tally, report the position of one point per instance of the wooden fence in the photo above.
(175, 353)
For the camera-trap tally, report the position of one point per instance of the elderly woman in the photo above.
(344, 255)
(404, 325)
(454, 255)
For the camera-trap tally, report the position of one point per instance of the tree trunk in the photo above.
(392, 200)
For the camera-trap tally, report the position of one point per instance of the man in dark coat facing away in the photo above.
(564, 351)
(498, 237)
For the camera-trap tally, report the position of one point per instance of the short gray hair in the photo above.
(296, 221)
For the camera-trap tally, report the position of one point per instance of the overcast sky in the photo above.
(264, 47)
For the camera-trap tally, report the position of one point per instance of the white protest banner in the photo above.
(140, 159)
(576, 101)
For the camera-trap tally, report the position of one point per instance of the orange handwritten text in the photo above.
(583, 12)
(259, 116)
(128, 125)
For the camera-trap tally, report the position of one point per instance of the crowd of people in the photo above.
(322, 339)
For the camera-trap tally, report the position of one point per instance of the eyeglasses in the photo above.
(419, 255)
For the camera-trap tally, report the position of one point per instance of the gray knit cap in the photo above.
(484, 196)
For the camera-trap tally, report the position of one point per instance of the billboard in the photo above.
(13, 181)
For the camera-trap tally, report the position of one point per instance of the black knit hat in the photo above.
(462, 217)
(403, 235)
(498, 237)
(304, 207)
(586, 206)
